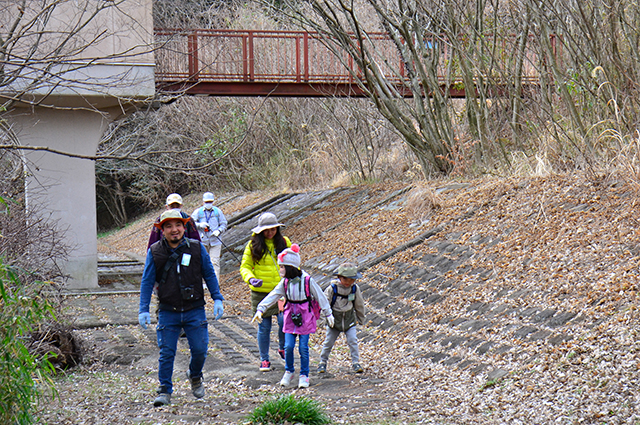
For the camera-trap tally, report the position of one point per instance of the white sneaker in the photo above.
(303, 382)
(286, 379)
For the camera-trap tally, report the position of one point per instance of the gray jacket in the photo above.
(343, 304)
(213, 219)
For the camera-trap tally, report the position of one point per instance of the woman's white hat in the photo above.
(266, 221)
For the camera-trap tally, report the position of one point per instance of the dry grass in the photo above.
(422, 201)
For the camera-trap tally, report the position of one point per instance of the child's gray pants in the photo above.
(330, 339)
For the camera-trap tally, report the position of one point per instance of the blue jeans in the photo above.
(303, 349)
(194, 323)
(264, 336)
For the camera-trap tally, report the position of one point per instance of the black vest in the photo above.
(178, 291)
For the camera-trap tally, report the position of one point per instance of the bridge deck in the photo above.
(283, 63)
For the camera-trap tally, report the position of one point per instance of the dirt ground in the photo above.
(490, 301)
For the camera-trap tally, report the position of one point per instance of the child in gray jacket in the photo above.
(348, 310)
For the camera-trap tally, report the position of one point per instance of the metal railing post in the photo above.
(251, 57)
(192, 51)
(307, 71)
(298, 73)
(245, 64)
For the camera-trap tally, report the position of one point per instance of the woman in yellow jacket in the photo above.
(259, 268)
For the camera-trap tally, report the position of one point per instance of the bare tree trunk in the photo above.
(423, 121)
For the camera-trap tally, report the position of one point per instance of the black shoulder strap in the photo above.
(170, 262)
(307, 290)
(172, 259)
(336, 295)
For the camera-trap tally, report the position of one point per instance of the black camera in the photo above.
(188, 292)
(296, 318)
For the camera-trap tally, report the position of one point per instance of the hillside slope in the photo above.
(489, 301)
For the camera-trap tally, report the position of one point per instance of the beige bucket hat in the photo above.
(266, 220)
(171, 215)
(349, 270)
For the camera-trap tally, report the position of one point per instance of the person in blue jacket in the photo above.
(176, 267)
(211, 223)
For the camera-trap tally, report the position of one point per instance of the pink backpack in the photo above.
(314, 305)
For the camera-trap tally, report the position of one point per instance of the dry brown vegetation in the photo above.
(565, 73)
(251, 144)
(560, 207)
(570, 242)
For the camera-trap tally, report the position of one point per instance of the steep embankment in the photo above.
(490, 301)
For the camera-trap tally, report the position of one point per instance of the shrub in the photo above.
(23, 375)
(288, 408)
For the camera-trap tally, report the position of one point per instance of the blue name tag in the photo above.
(186, 259)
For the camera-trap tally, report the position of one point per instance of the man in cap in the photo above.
(210, 222)
(176, 266)
(174, 202)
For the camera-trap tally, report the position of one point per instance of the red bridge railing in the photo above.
(280, 63)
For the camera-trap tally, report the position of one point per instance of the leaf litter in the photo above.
(571, 242)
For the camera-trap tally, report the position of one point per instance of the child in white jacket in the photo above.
(304, 297)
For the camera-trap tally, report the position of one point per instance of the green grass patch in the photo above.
(489, 384)
(290, 409)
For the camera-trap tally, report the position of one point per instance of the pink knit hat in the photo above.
(290, 257)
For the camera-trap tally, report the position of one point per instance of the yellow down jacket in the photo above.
(266, 268)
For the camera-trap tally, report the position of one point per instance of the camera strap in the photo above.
(171, 261)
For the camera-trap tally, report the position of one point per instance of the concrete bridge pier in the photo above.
(90, 58)
(62, 188)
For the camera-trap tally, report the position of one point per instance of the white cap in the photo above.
(174, 198)
(208, 197)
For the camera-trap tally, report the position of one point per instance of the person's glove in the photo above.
(330, 320)
(144, 319)
(256, 283)
(257, 317)
(201, 226)
(216, 233)
(218, 310)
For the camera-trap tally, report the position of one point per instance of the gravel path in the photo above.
(498, 301)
